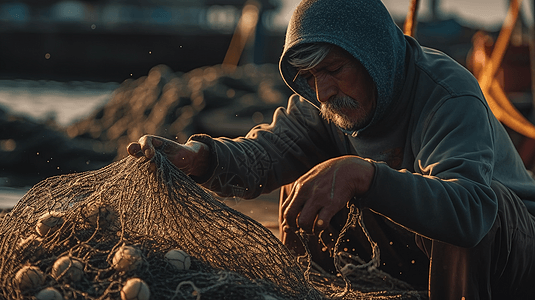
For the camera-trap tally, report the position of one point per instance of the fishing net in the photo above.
(119, 222)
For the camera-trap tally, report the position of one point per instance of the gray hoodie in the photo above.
(435, 143)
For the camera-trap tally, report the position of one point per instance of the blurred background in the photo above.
(111, 40)
(80, 79)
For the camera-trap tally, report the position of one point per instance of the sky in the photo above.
(486, 14)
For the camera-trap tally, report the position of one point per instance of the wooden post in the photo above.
(411, 20)
(243, 32)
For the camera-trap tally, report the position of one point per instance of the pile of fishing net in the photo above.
(175, 105)
(139, 229)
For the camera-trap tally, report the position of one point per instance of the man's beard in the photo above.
(335, 110)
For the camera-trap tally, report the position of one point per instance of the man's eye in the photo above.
(305, 74)
(336, 70)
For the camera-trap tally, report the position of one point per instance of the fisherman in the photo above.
(400, 131)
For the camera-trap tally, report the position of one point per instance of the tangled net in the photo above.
(154, 207)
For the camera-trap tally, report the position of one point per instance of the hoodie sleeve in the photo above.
(270, 155)
(448, 197)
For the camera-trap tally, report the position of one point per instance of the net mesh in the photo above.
(154, 207)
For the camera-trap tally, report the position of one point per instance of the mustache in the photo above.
(335, 111)
(337, 105)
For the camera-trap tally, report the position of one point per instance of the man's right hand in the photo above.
(193, 158)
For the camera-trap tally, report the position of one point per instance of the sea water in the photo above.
(65, 102)
(42, 100)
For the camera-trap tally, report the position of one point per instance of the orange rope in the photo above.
(487, 75)
(507, 113)
(411, 19)
(498, 102)
(243, 32)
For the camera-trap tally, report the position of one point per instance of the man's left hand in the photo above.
(325, 190)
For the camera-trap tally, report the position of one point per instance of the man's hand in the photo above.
(193, 157)
(325, 190)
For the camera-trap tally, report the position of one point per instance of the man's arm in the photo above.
(271, 155)
(448, 197)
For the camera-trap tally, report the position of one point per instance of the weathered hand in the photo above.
(192, 157)
(325, 190)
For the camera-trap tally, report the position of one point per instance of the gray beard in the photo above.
(333, 109)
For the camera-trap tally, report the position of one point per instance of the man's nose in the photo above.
(325, 88)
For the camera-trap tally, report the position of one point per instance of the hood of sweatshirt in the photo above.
(365, 29)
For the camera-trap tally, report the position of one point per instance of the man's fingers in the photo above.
(192, 158)
(134, 149)
(306, 222)
(308, 208)
(294, 203)
(323, 220)
(289, 222)
(148, 144)
(149, 153)
(307, 217)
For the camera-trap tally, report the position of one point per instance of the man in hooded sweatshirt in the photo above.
(402, 132)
